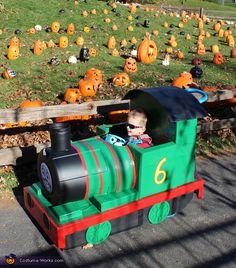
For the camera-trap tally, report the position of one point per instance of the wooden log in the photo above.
(216, 125)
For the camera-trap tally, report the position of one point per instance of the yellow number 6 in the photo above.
(159, 172)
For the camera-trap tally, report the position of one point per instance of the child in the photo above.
(136, 126)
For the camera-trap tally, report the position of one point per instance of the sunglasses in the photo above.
(132, 126)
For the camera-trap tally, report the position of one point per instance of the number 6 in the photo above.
(160, 172)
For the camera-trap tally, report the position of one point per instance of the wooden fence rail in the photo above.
(89, 108)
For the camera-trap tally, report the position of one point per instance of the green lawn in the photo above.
(37, 79)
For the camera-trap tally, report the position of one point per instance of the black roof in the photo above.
(176, 102)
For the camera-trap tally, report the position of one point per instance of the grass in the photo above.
(37, 79)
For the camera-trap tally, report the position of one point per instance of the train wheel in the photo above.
(179, 203)
(98, 233)
(159, 212)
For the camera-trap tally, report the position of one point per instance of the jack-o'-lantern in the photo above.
(14, 41)
(202, 32)
(38, 47)
(218, 58)
(130, 65)
(107, 20)
(70, 29)
(92, 52)
(201, 49)
(180, 25)
(8, 73)
(115, 52)
(130, 28)
(123, 43)
(130, 18)
(133, 9)
(185, 80)
(31, 31)
(169, 50)
(31, 104)
(196, 61)
(111, 42)
(114, 27)
(208, 35)
(96, 75)
(155, 32)
(188, 37)
(93, 11)
(165, 24)
(133, 40)
(221, 33)
(50, 44)
(215, 49)
(200, 24)
(173, 44)
(180, 54)
(147, 51)
(105, 11)
(86, 29)
(216, 27)
(230, 41)
(121, 80)
(233, 53)
(55, 27)
(13, 52)
(183, 13)
(72, 95)
(63, 41)
(87, 87)
(84, 13)
(184, 20)
(80, 41)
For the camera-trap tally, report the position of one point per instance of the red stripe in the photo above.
(97, 164)
(133, 166)
(85, 170)
(116, 163)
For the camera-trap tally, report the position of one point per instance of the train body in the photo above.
(90, 188)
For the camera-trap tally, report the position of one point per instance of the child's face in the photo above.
(135, 126)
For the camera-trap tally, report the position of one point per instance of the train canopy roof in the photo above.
(172, 102)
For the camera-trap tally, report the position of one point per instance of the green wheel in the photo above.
(98, 233)
(159, 212)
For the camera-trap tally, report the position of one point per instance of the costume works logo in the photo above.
(11, 259)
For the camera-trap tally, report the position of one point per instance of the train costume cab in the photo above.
(92, 188)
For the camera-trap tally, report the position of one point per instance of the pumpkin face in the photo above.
(80, 41)
(38, 47)
(115, 52)
(111, 42)
(130, 65)
(218, 58)
(96, 75)
(185, 80)
(63, 42)
(13, 52)
(121, 80)
(230, 41)
(31, 31)
(92, 52)
(197, 61)
(87, 87)
(55, 27)
(51, 44)
(147, 51)
(72, 95)
(86, 29)
(14, 41)
(180, 55)
(71, 29)
(201, 49)
(8, 74)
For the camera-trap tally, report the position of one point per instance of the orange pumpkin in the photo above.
(86, 29)
(201, 49)
(70, 29)
(180, 55)
(111, 42)
(92, 52)
(51, 44)
(216, 27)
(63, 42)
(215, 49)
(72, 95)
(130, 65)
(80, 41)
(87, 87)
(55, 26)
(185, 80)
(38, 47)
(147, 51)
(31, 31)
(13, 52)
(133, 40)
(96, 75)
(115, 52)
(218, 58)
(121, 80)
(31, 104)
(233, 53)
(14, 41)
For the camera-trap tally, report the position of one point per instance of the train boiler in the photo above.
(90, 189)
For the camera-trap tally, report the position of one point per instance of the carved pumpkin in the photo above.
(8, 73)
(93, 11)
(130, 65)
(147, 51)
(114, 27)
(201, 49)
(86, 29)
(31, 104)
(13, 52)
(87, 87)
(63, 41)
(197, 61)
(105, 11)
(121, 80)
(230, 41)
(216, 27)
(51, 44)
(188, 37)
(80, 41)
(96, 75)
(55, 27)
(185, 80)
(169, 50)
(233, 53)
(14, 41)
(221, 33)
(165, 24)
(92, 52)
(218, 58)
(133, 40)
(133, 9)
(38, 47)
(84, 13)
(70, 29)
(180, 55)
(196, 72)
(130, 28)
(111, 42)
(72, 95)
(115, 52)
(215, 49)
(200, 24)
